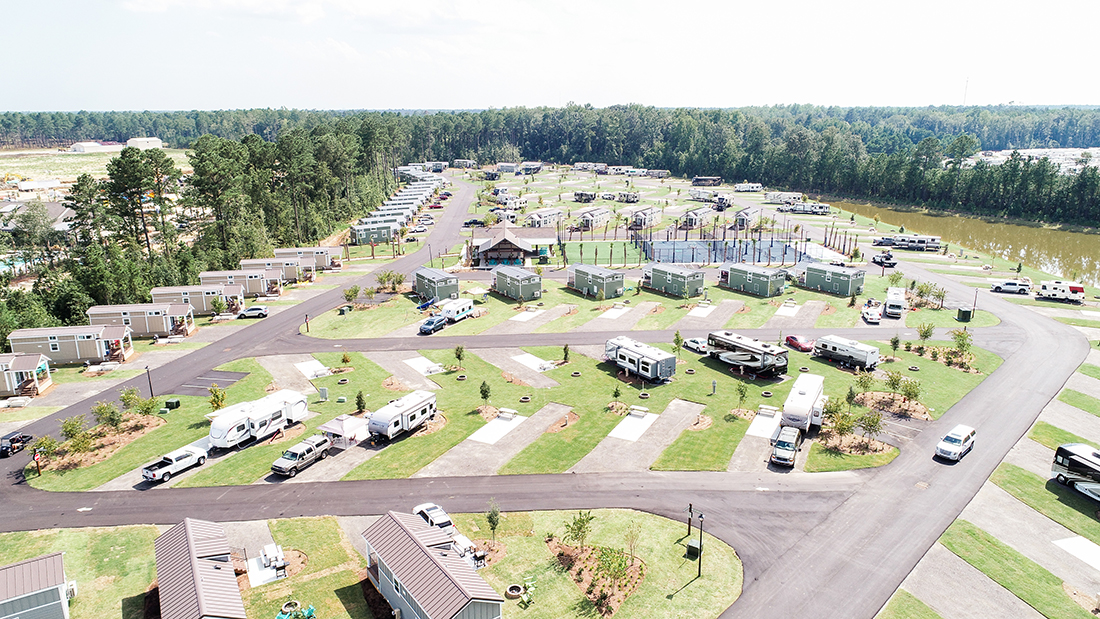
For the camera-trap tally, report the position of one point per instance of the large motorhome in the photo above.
(404, 414)
(702, 195)
(584, 196)
(629, 197)
(1056, 289)
(748, 187)
(810, 208)
(256, 420)
(782, 197)
(706, 181)
(895, 304)
(805, 404)
(847, 351)
(750, 354)
(1078, 466)
(642, 359)
(918, 242)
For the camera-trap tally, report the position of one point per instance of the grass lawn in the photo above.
(670, 587)
(49, 163)
(185, 424)
(943, 386)
(822, 460)
(1061, 504)
(1021, 576)
(112, 566)
(1090, 370)
(1080, 400)
(946, 318)
(1053, 436)
(75, 374)
(380, 319)
(27, 413)
(603, 253)
(1079, 322)
(254, 462)
(704, 450)
(905, 605)
(556, 452)
(330, 579)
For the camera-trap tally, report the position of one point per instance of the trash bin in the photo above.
(173, 403)
(964, 314)
(343, 310)
(324, 394)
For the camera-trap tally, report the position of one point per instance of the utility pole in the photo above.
(700, 574)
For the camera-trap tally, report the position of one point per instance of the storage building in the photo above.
(36, 589)
(517, 283)
(589, 280)
(673, 279)
(752, 279)
(844, 281)
(431, 283)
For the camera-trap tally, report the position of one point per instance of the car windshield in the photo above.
(954, 440)
(787, 445)
(290, 455)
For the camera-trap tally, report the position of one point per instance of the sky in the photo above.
(476, 54)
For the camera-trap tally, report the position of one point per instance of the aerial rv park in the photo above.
(707, 344)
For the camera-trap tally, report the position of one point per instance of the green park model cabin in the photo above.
(589, 280)
(752, 279)
(843, 281)
(380, 232)
(435, 284)
(674, 280)
(516, 283)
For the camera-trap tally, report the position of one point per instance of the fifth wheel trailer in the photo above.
(642, 359)
(248, 421)
(805, 405)
(753, 355)
(847, 351)
(404, 414)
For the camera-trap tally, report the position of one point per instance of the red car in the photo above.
(800, 343)
(437, 205)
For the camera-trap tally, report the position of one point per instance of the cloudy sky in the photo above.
(466, 54)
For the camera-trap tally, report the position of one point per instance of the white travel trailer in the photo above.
(457, 310)
(806, 403)
(781, 197)
(847, 351)
(1056, 289)
(256, 420)
(748, 187)
(703, 195)
(918, 242)
(642, 359)
(404, 414)
(895, 304)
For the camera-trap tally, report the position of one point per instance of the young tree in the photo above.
(612, 563)
(742, 391)
(369, 293)
(493, 517)
(910, 391)
(893, 380)
(871, 425)
(632, 535)
(578, 530)
(894, 279)
(925, 331)
(939, 293)
(460, 354)
(895, 343)
(865, 380)
(850, 397)
(72, 427)
(565, 353)
(107, 414)
(396, 280)
(360, 402)
(80, 443)
(351, 293)
(843, 424)
(962, 339)
(219, 305)
(217, 397)
(600, 296)
(486, 392)
(617, 393)
(832, 410)
(45, 445)
(677, 343)
(345, 359)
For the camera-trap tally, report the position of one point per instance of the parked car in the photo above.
(800, 343)
(302, 455)
(473, 223)
(885, 259)
(433, 324)
(697, 344)
(256, 311)
(872, 314)
(444, 196)
(13, 442)
(884, 241)
(418, 229)
(446, 193)
(958, 442)
(786, 445)
(435, 516)
(1011, 285)
(175, 462)
(435, 205)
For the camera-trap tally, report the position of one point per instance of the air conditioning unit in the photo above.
(70, 590)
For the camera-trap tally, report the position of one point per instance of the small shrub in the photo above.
(908, 346)
(919, 350)
(346, 359)
(935, 354)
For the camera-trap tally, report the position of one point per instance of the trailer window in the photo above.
(397, 423)
(277, 416)
(241, 428)
(644, 367)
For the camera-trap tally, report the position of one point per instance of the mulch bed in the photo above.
(106, 444)
(495, 550)
(564, 422)
(394, 384)
(851, 444)
(702, 422)
(619, 408)
(488, 413)
(829, 309)
(581, 564)
(434, 425)
(510, 378)
(341, 370)
(657, 310)
(892, 404)
(377, 604)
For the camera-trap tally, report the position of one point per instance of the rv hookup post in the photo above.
(150, 377)
(691, 512)
(700, 558)
(307, 323)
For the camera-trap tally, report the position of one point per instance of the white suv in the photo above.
(1011, 286)
(957, 443)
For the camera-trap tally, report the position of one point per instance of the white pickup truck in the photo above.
(173, 463)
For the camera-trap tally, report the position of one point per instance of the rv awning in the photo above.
(344, 425)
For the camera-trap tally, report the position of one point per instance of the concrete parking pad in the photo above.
(1083, 549)
(533, 362)
(619, 320)
(496, 429)
(1071, 419)
(525, 316)
(957, 590)
(425, 366)
(504, 358)
(715, 319)
(1094, 356)
(409, 330)
(616, 454)
(470, 457)
(1035, 536)
(632, 427)
(249, 535)
(804, 318)
(1031, 456)
(333, 468)
(1085, 384)
(514, 326)
(132, 480)
(285, 372)
(393, 362)
(751, 454)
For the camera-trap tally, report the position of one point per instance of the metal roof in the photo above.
(192, 584)
(26, 363)
(592, 269)
(32, 575)
(514, 272)
(434, 275)
(189, 289)
(441, 582)
(115, 332)
(821, 266)
(128, 307)
(241, 272)
(43, 331)
(675, 268)
(751, 268)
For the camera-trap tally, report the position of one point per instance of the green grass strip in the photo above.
(1080, 400)
(704, 450)
(1090, 370)
(1053, 436)
(905, 605)
(1021, 576)
(822, 460)
(1079, 322)
(1061, 504)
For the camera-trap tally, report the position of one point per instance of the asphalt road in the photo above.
(832, 545)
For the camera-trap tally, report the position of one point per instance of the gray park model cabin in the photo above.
(744, 218)
(92, 343)
(751, 355)
(697, 218)
(290, 268)
(324, 258)
(673, 280)
(706, 181)
(843, 281)
(645, 218)
(416, 568)
(376, 232)
(589, 280)
(201, 297)
(640, 359)
(593, 218)
(146, 319)
(431, 283)
(36, 589)
(544, 218)
(254, 283)
(752, 279)
(517, 283)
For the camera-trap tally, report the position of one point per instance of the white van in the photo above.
(457, 310)
(895, 304)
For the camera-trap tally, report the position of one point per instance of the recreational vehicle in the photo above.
(781, 197)
(636, 172)
(404, 414)
(629, 197)
(457, 310)
(642, 359)
(748, 187)
(1078, 466)
(847, 351)
(256, 420)
(895, 304)
(702, 195)
(917, 242)
(1056, 289)
(806, 403)
(658, 173)
(706, 181)
(584, 196)
(810, 208)
(749, 354)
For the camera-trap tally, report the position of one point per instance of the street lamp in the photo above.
(150, 377)
(700, 545)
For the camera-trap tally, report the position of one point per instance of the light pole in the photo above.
(150, 377)
(700, 546)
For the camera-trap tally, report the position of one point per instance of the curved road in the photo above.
(818, 545)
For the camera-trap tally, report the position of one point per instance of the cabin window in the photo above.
(53, 338)
(828, 276)
(644, 367)
(397, 587)
(85, 337)
(54, 347)
(748, 277)
(277, 416)
(412, 417)
(126, 321)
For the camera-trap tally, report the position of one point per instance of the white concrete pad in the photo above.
(533, 362)
(1081, 548)
(258, 574)
(763, 425)
(787, 310)
(1090, 313)
(496, 429)
(312, 369)
(425, 366)
(615, 313)
(702, 312)
(525, 316)
(632, 428)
